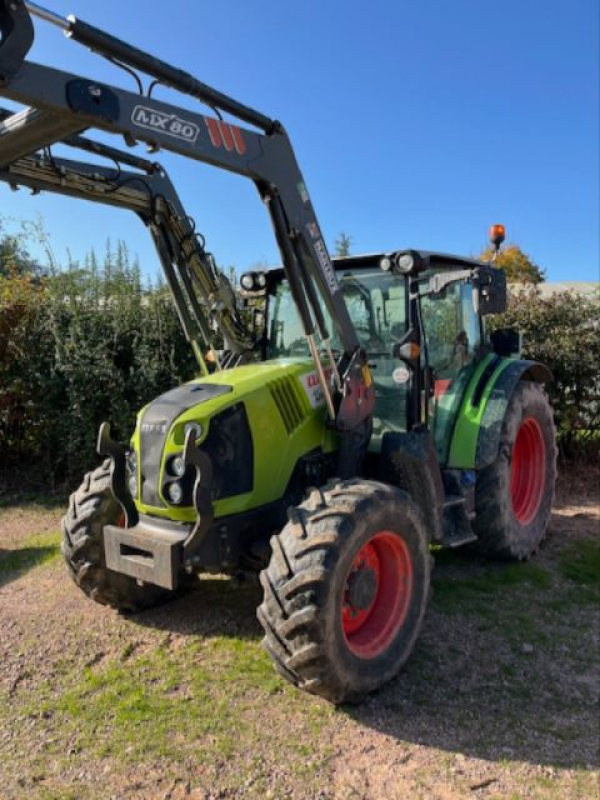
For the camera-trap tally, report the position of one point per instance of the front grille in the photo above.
(289, 402)
(155, 425)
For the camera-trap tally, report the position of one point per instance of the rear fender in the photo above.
(488, 441)
(476, 437)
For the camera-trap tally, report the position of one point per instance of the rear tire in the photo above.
(513, 496)
(92, 507)
(346, 589)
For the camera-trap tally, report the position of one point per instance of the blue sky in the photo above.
(415, 124)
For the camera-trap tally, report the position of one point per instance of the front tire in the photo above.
(92, 507)
(346, 590)
(514, 495)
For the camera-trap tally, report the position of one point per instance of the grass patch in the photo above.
(45, 793)
(36, 551)
(205, 699)
(452, 593)
(33, 501)
(580, 563)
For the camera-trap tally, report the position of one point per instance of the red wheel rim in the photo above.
(381, 577)
(528, 471)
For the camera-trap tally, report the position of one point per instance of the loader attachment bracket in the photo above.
(193, 456)
(117, 453)
(93, 99)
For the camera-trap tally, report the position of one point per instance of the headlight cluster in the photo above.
(402, 263)
(253, 281)
(178, 481)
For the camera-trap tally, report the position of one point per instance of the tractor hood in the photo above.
(254, 422)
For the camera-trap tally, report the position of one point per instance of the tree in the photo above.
(14, 258)
(519, 267)
(342, 245)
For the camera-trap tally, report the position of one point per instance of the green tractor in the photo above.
(348, 415)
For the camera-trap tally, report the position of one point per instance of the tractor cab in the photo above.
(422, 330)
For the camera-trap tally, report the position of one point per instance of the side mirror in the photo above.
(491, 288)
(507, 342)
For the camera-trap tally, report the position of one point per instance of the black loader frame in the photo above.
(60, 107)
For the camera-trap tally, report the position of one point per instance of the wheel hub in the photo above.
(376, 594)
(362, 588)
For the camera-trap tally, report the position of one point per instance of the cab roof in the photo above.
(427, 258)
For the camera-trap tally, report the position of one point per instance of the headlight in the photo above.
(132, 462)
(178, 466)
(406, 262)
(133, 486)
(385, 264)
(175, 492)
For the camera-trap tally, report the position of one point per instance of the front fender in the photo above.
(476, 437)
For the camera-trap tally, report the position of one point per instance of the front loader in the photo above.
(347, 414)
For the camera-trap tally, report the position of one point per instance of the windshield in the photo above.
(376, 301)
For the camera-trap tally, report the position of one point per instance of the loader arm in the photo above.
(200, 292)
(60, 106)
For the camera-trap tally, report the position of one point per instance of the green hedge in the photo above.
(84, 346)
(562, 330)
(76, 349)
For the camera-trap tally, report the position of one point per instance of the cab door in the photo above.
(453, 336)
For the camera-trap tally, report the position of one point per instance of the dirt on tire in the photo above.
(301, 612)
(501, 533)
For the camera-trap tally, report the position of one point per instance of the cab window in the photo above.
(376, 301)
(453, 337)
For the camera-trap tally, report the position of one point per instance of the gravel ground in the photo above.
(500, 699)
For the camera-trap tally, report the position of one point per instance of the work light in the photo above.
(247, 281)
(405, 262)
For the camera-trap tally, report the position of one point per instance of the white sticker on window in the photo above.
(401, 375)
